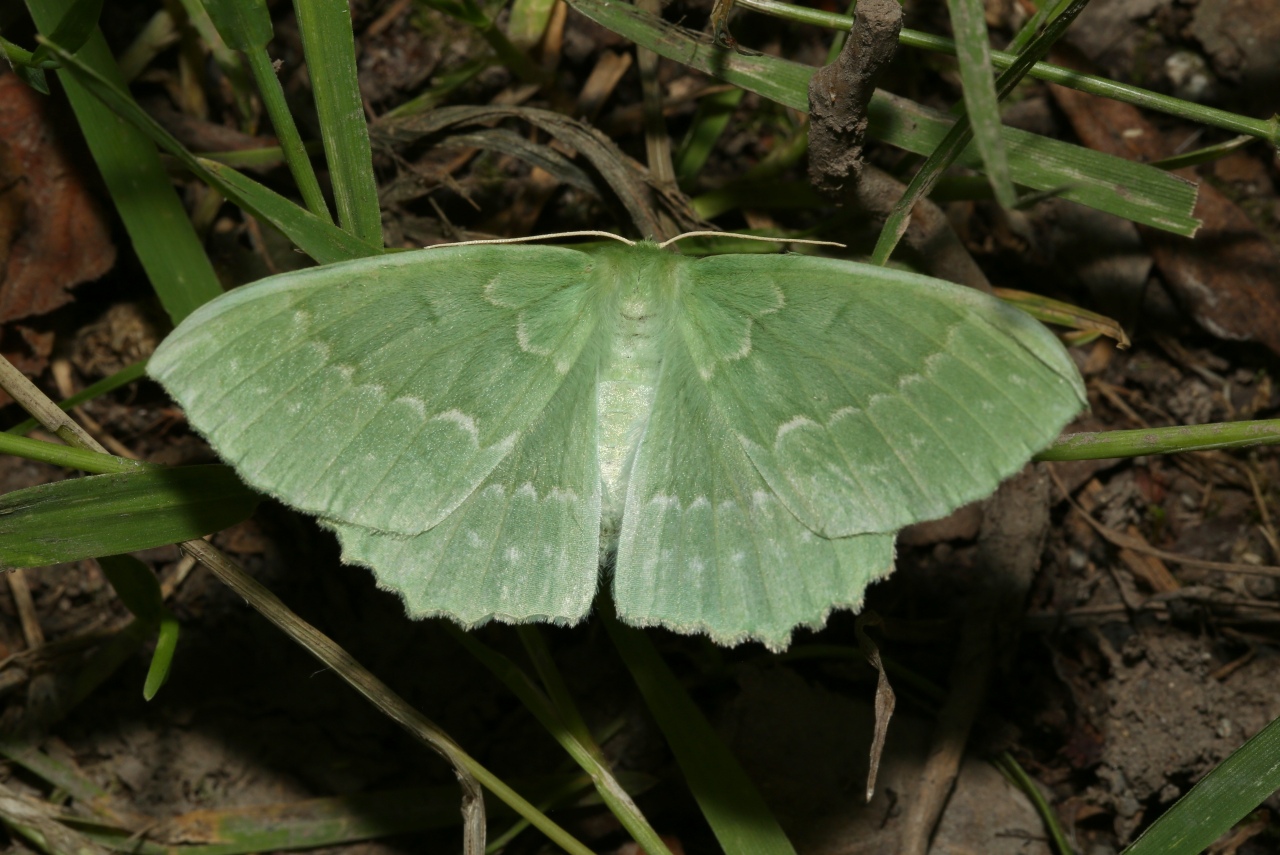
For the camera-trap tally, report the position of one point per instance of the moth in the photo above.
(736, 439)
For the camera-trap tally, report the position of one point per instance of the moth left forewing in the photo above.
(872, 398)
(381, 392)
(450, 392)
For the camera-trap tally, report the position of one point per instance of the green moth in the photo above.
(738, 437)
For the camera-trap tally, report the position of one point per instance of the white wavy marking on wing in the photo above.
(788, 426)
(463, 421)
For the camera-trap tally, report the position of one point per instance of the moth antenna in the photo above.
(666, 243)
(528, 238)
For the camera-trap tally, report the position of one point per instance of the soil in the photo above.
(1116, 661)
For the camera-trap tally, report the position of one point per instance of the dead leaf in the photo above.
(1228, 276)
(53, 233)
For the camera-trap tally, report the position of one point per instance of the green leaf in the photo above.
(315, 236)
(466, 11)
(75, 28)
(1220, 800)
(1266, 129)
(110, 514)
(528, 21)
(1134, 191)
(138, 589)
(162, 657)
(135, 585)
(1208, 154)
(229, 62)
(709, 122)
(743, 433)
(30, 75)
(243, 24)
(442, 86)
(162, 235)
(20, 60)
(471, 13)
(291, 144)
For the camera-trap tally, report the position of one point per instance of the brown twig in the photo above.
(838, 97)
(31, 630)
(839, 94)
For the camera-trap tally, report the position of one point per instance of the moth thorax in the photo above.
(628, 376)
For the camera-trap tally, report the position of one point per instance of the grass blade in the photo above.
(157, 35)
(1266, 129)
(135, 585)
(162, 234)
(19, 60)
(245, 25)
(227, 60)
(68, 457)
(1134, 191)
(295, 151)
(1220, 800)
(1018, 776)
(303, 824)
(1167, 440)
(162, 656)
(1051, 311)
(506, 51)
(973, 50)
(323, 241)
(111, 514)
(76, 27)
(329, 45)
(567, 727)
(439, 91)
(1204, 155)
(710, 120)
(528, 21)
(318, 238)
(242, 24)
(961, 132)
(732, 805)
